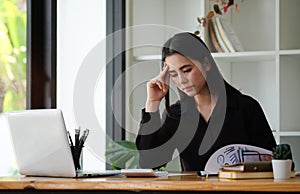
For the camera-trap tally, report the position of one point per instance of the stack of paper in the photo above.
(143, 173)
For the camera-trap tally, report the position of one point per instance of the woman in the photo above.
(209, 114)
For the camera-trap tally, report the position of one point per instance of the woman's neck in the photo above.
(205, 103)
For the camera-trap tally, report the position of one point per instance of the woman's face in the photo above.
(188, 75)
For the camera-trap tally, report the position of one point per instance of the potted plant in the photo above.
(282, 162)
(122, 154)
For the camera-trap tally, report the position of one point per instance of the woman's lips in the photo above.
(188, 88)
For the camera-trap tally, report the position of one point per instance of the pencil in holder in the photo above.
(77, 148)
(77, 157)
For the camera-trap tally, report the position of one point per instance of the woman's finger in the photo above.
(159, 84)
(155, 82)
(167, 82)
(165, 69)
(162, 80)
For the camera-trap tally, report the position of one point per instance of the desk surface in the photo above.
(172, 183)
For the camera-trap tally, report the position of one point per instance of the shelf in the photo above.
(289, 133)
(234, 57)
(290, 52)
(246, 56)
(268, 69)
(148, 58)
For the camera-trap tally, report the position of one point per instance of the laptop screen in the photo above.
(40, 142)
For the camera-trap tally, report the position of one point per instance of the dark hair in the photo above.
(191, 46)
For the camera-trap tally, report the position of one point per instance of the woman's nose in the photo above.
(182, 78)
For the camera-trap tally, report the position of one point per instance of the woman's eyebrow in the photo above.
(182, 67)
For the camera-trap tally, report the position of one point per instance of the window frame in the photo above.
(42, 60)
(115, 22)
(41, 54)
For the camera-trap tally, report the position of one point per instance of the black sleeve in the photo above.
(260, 131)
(153, 134)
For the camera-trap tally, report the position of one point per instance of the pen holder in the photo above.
(77, 147)
(77, 157)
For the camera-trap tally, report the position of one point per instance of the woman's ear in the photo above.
(206, 64)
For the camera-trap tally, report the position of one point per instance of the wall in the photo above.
(7, 163)
(81, 30)
(149, 25)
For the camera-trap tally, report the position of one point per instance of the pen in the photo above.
(77, 133)
(202, 173)
(72, 147)
(70, 138)
(205, 174)
(83, 138)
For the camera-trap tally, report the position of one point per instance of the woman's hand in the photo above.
(157, 88)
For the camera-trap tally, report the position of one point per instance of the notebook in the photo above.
(41, 144)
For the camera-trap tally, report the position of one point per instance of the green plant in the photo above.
(12, 54)
(282, 152)
(122, 154)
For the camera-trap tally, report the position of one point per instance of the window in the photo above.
(12, 55)
(13, 19)
(60, 34)
(35, 48)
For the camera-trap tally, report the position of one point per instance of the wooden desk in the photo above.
(119, 183)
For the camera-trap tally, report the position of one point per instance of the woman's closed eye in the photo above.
(173, 74)
(187, 70)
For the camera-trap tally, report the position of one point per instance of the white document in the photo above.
(235, 153)
(143, 173)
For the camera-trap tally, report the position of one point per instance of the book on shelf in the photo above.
(214, 44)
(229, 35)
(223, 36)
(219, 36)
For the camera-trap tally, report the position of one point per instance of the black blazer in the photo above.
(243, 123)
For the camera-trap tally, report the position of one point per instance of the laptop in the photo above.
(41, 144)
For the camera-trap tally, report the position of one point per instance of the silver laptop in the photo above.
(41, 144)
